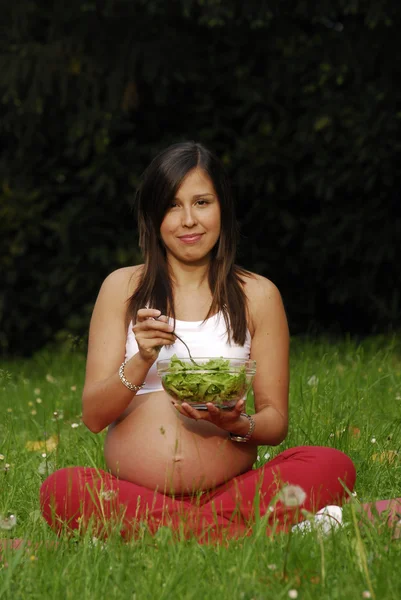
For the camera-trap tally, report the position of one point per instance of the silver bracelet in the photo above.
(247, 437)
(124, 380)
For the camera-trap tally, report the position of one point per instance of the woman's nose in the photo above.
(188, 218)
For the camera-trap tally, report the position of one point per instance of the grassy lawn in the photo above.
(344, 394)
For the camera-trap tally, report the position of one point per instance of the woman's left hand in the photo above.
(221, 418)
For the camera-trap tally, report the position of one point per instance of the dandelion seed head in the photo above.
(50, 378)
(36, 391)
(373, 440)
(313, 381)
(8, 523)
(292, 594)
(73, 388)
(2, 457)
(292, 496)
(272, 567)
(38, 400)
(74, 425)
(7, 467)
(9, 410)
(108, 494)
(44, 455)
(366, 594)
(33, 412)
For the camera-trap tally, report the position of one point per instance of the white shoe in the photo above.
(326, 520)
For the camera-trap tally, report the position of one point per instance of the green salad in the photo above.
(214, 381)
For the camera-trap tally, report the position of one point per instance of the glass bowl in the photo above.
(221, 381)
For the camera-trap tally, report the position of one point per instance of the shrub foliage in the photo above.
(298, 98)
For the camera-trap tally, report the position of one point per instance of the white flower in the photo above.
(366, 594)
(1, 456)
(7, 467)
(108, 494)
(44, 454)
(292, 495)
(8, 522)
(292, 594)
(50, 378)
(36, 391)
(313, 381)
(373, 440)
(74, 425)
(73, 388)
(266, 456)
(39, 400)
(272, 567)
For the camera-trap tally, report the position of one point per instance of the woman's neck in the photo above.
(189, 276)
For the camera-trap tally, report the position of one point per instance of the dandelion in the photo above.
(74, 425)
(44, 455)
(266, 456)
(2, 457)
(354, 494)
(8, 522)
(46, 467)
(272, 567)
(109, 494)
(50, 378)
(30, 403)
(7, 467)
(38, 400)
(373, 440)
(32, 557)
(58, 415)
(292, 496)
(9, 410)
(313, 381)
(398, 397)
(292, 594)
(33, 412)
(73, 388)
(366, 594)
(36, 391)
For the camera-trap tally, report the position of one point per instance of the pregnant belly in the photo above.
(154, 446)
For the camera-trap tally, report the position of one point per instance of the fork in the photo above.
(189, 352)
(182, 342)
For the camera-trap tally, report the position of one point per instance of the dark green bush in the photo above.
(299, 99)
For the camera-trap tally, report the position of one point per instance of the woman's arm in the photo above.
(270, 349)
(104, 396)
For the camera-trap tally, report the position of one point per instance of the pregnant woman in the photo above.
(171, 464)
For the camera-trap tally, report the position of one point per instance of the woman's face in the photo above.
(191, 225)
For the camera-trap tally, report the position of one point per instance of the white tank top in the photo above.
(207, 338)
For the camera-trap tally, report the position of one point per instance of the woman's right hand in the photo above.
(152, 331)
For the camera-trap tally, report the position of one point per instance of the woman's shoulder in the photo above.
(124, 280)
(263, 296)
(257, 286)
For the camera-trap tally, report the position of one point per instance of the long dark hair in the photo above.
(159, 186)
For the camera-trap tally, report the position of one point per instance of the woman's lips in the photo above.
(190, 239)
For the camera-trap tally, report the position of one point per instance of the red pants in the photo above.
(74, 496)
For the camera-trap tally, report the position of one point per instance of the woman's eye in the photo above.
(202, 202)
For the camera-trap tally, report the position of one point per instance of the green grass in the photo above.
(336, 389)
